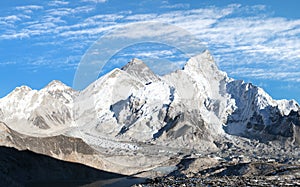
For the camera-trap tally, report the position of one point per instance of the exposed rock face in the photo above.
(60, 146)
(141, 71)
(259, 117)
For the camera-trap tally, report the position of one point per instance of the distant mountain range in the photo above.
(131, 120)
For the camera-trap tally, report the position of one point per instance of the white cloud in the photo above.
(32, 7)
(10, 36)
(58, 3)
(141, 17)
(103, 18)
(69, 11)
(176, 6)
(12, 18)
(259, 73)
(29, 8)
(254, 40)
(94, 1)
(7, 63)
(60, 12)
(88, 31)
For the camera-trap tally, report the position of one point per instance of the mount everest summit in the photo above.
(132, 120)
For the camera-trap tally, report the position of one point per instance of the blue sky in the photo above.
(257, 41)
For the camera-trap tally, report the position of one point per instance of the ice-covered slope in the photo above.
(33, 112)
(92, 108)
(202, 88)
(179, 109)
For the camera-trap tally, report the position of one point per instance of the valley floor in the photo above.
(246, 174)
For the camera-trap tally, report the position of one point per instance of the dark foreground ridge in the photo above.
(25, 168)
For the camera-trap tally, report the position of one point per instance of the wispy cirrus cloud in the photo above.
(58, 3)
(29, 8)
(11, 19)
(14, 35)
(282, 75)
(5, 63)
(94, 1)
(69, 11)
(238, 41)
(176, 6)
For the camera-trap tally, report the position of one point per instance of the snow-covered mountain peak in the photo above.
(106, 80)
(112, 87)
(136, 61)
(133, 62)
(17, 93)
(286, 106)
(22, 89)
(56, 85)
(140, 70)
(114, 73)
(202, 67)
(200, 61)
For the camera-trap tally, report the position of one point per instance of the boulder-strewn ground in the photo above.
(225, 181)
(240, 174)
(246, 163)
